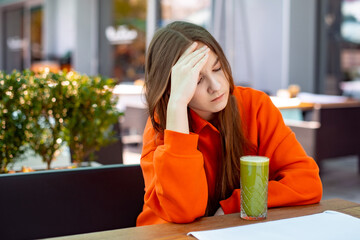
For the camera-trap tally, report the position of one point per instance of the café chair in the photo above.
(133, 124)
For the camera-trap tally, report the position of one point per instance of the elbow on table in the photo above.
(318, 192)
(311, 190)
(183, 208)
(181, 212)
(176, 212)
(185, 216)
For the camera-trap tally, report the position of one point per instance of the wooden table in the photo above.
(179, 231)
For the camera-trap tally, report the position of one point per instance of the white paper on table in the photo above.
(327, 225)
(285, 102)
(321, 98)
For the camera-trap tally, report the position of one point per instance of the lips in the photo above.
(218, 98)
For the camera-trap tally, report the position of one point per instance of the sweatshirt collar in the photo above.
(198, 123)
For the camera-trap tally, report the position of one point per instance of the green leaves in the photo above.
(14, 124)
(91, 116)
(47, 110)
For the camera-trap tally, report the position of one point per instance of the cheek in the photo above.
(198, 97)
(226, 83)
(224, 80)
(221, 78)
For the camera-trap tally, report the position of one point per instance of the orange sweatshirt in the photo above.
(179, 169)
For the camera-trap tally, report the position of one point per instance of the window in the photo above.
(350, 27)
(198, 12)
(36, 21)
(127, 37)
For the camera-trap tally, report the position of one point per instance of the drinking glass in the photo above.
(254, 178)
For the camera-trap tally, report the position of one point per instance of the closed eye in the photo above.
(217, 69)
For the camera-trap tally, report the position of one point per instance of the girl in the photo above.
(200, 125)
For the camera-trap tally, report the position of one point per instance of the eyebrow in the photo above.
(216, 61)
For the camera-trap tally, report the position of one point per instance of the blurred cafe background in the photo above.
(297, 51)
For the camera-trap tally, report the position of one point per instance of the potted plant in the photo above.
(91, 117)
(14, 123)
(50, 99)
(47, 110)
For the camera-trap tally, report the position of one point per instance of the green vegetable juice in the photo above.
(254, 175)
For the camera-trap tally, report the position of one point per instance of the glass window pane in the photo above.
(198, 12)
(127, 37)
(36, 21)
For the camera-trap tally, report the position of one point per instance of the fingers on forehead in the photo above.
(191, 47)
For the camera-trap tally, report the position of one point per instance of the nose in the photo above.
(214, 85)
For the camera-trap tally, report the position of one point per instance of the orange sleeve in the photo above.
(175, 182)
(293, 176)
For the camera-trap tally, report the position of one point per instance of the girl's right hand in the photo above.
(184, 78)
(185, 74)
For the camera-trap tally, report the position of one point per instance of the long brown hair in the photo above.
(165, 49)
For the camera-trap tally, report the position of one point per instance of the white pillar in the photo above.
(150, 20)
(85, 57)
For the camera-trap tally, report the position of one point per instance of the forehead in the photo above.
(212, 56)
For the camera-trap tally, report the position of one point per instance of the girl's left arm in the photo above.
(294, 176)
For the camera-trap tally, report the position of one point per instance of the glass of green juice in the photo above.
(254, 179)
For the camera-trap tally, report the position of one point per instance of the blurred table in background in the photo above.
(129, 95)
(45, 66)
(351, 89)
(132, 103)
(326, 126)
